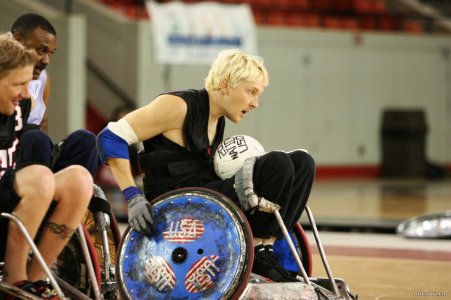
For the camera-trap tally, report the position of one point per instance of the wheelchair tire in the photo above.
(114, 236)
(201, 249)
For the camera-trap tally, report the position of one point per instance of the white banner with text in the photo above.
(194, 33)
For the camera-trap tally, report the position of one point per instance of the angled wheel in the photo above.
(201, 249)
(108, 284)
(113, 235)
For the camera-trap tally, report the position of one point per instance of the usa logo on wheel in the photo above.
(160, 274)
(184, 231)
(202, 275)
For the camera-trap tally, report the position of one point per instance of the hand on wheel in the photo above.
(140, 215)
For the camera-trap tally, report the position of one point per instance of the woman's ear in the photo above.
(224, 85)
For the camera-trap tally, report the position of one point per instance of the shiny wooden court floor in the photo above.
(357, 219)
(377, 204)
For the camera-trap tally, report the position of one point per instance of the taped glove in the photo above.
(244, 188)
(140, 214)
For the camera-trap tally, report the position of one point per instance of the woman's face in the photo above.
(240, 100)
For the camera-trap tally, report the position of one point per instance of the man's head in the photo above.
(235, 66)
(16, 67)
(37, 34)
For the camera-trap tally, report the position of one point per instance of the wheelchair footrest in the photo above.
(279, 290)
(260, 287)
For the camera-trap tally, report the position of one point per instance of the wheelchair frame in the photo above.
(257, 286)
(53, 280)
(107, 284)
(317, 288)
(310, 287)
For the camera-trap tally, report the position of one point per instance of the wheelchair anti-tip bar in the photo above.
(268, 206)
(292, 248)
(321, 250)
(36, 252)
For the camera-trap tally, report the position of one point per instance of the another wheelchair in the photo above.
(202, 249)
(102, 237)
(85, 267)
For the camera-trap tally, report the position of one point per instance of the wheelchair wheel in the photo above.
(114, 236)
(284, 255)
(109, 289)
(71, 266)
(201, 249)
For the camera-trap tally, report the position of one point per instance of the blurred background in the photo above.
(363, 85)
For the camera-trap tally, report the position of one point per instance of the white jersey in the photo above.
(36, 88)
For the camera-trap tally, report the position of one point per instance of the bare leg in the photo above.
(269, 241)
(257, 241)
(35, 186)
(73, 191)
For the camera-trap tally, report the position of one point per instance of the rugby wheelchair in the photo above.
(85, 268)
(202, 249)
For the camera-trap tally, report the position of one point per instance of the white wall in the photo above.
(326, 91)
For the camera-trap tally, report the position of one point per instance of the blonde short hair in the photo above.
(13, 55)
(235, 66)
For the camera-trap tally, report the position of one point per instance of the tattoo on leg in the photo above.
(62, 230)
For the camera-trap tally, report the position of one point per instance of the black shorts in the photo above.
(8, 201)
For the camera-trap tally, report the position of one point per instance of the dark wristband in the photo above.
(130, 192)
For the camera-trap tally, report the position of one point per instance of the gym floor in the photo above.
(357, 221)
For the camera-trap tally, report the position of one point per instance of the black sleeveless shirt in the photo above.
(167, 165)
(11, 129)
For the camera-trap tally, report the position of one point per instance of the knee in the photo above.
(79, 182)
(84, 137)
(303, 161)
(74, 188)
(36, 138)
(279, 163)
(36, 182)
